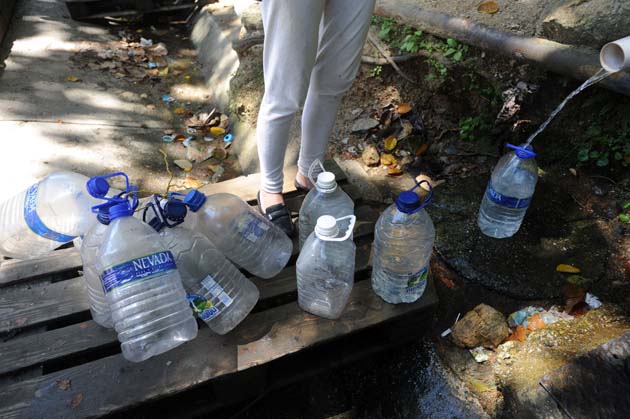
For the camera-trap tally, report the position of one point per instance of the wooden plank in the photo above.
(13, 271)
(112, 384)
(247, 187)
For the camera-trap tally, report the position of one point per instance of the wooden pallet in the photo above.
(56, 362)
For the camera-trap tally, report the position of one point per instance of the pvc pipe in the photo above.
(615, 56)
(577, 62)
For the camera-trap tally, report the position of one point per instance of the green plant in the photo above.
(602, 148)
(624, 217)
(412, 41)
(454, 49)
(473, 128)
(387, 27)
(376, 71)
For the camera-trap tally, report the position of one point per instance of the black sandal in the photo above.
(280, 216)
(300, 188)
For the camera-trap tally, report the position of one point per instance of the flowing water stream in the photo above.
(599, 76)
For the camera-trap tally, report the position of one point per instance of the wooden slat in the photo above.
(112, 384)
(13, 271)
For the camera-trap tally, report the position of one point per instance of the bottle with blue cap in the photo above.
(48, 214)
(326, 198)
(325, 267)
(217, 291)
(403, 243)
(242, 234)
(143, 287)
(509, 193)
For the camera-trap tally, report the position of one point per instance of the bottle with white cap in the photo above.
(403, 243)
(325, 268)
(326, 198)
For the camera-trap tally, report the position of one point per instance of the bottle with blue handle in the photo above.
(508, 193)
(218, 292)
(48, 214)
(143, 287)
(403, 243)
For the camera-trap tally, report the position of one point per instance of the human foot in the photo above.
(273, 208)
(302, 182)
(268, 199)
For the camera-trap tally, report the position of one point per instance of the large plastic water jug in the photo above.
(403, 243)
(143, 288)
(325, 268)
(326, 198)
(46, 215)
(241, 233)
(508, 193)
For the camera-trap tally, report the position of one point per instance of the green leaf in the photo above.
(583, 155)
(602, 162)
(618, 156)
(624, 218)
(594, 154)
(457, 56)
(451, 42)
(626, 205)
(450, 51)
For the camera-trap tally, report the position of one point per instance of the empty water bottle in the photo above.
(217, 291)
(242, 234)
(508, 193)
(403, 243)
(143, 288)
(326, 198)
(48, 214)
(325, 268)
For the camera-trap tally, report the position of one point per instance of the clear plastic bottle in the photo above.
(403, 243)
(508, 193)
(325, 268)
(143, 288)
(218, 292)
(326, 198)
(241, 233)
(48, 214)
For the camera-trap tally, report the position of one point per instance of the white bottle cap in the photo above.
(326, 181)
(326, 226)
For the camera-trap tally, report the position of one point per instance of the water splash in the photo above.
(599, 76)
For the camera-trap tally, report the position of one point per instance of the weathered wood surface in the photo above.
(6, 11)
(12, 271)
(112, 383)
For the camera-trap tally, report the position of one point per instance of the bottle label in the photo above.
(139, 269)
(418, 281)
(35, 223)
(254, 228)
(203, 306)
(506, 201)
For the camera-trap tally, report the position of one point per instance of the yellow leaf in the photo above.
(73, 79)
(390, 143)
(394, 171)
(387, 159)
(478, 385)
(569, 269)
(163, 72)
(488, 7)
(217, 131)
(403, 108)
(180, 111)
(179, 138)
(192, 183)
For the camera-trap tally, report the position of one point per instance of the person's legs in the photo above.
(342, 34)
(291, 38)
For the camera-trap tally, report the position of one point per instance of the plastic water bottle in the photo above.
(143, 287)
(217, 291)
(48, 214)
(326, 198)
(325, 268)
(403, 243)
(508, 193)
(241, 233)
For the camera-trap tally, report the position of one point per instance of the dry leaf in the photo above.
(73, 79)
(179, 138)
(403, 108)
(180, 111)
(163, 72)
(394, 171)
(184, 164)
(569, 269)
(151, 72)
(63, 384)
(573, 171)
(488, 7)
(519, 334)
(422, 149)
(217, 131)
(573, 295)
(192, 183)
(390, 143)
(76, 400)
(387, 159)
(535, 322)
(407, 129)
(219, 153)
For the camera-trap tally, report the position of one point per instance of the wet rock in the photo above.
(482, 326)
(364, 124)
(370, 155)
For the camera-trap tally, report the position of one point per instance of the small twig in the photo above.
(402, 58)
(379, 47)
(439, 137)
(603, 177)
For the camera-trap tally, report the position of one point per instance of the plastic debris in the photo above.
(168, 138)
(592, 301)
(152, 65)
(168, 99)
(228, 138)
(186, 142)
(448, 331)
(146, 42)
(208, 139)
(480, 354)
(523, 317)
(191, 131)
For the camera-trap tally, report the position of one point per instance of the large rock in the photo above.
(482, 326)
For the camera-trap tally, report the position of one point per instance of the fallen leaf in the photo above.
(488, 7)
(76, 400)
(569, 269)
(403, 108)
(387, 159)
(163, 71)
(407, 129)
(220, 153)
(573, 171)
(478, 385)
(422, 149)
(572, 295)
(63, 384)
(180, 111)
(179, 138)
(152, 72)
(192, 183)
(390, 143)
(519, 334)
(394, 171)
(580, 309)
(535, 322)
(217, 131)
(578, 280)
(184, 164)
(73, 79)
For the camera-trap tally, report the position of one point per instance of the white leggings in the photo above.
(312, 51)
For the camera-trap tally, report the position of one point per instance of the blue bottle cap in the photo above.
(97, 187)
(175, 210)
(194, 199)
(120, 210)
(524, 151)
(407, 202)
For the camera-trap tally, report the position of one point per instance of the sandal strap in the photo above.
(277, 211)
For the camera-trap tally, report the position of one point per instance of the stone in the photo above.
(364, 124)
(482, 326)
(370, 155)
